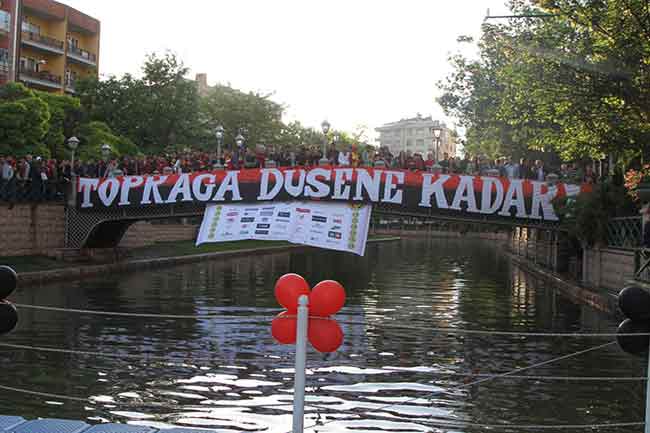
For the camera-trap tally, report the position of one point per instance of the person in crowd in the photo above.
(444, 163)
(511, 169)
(590, 175)
(344, 158)
(539, 173)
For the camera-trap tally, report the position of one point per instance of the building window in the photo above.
(29, 65)
(420, 132)
(31, 28)
(74, 43)
(409, 143)
(419, 143)
(5, 20)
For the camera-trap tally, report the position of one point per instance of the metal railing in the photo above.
(44, 40)
(41, 75)
(16, 191)
(625, 232)
(86, 55)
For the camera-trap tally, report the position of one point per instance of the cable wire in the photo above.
(385, 323)
(486, 379)
(124, 314)
(162, 358)
(141, 357)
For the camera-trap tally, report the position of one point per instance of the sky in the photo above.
(353, 62)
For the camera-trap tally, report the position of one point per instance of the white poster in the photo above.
(334, 226)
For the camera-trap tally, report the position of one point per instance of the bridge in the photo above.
(98, 213)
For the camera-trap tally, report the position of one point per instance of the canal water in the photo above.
(394, 373)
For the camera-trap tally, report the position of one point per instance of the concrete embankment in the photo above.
(88, 271)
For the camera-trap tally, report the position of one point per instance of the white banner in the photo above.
(334, 226)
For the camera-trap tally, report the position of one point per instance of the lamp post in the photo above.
(106, 153)
(326, 128)
(219, 134)
(239, 142)
(437, 132)
(73, 144)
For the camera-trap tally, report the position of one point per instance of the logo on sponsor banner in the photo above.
(302, 210)
(232, 214)
(266, 213)
(334, 235)
(247, 220)
(265, 219)
(320, 219)
(252, 209)
(243, 232)
(338, 221)
(261, 232)
(284, 214)
(335, 228)
(230, 220)
(264, 226)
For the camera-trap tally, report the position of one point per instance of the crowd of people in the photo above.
(34, 178)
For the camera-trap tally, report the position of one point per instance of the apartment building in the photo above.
(417, 135)
(46, 44)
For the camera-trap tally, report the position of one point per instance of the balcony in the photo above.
(40, 78)
(42, 42)
(70, 85)
(81, 56)
(4, 70)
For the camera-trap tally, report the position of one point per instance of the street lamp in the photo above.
(326, 128)
(106, 151)
(73, 144)
(219, 134)
(437, 132)
(239, 141)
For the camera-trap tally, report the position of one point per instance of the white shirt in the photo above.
(344, 158)
(7, 171)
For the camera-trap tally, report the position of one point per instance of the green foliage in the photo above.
(94, 135)
(256, 114)
(577, 82)
(156, 111)
(65, 113)
(586, 216)
(24, 117)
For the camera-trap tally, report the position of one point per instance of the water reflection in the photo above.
(228, 374)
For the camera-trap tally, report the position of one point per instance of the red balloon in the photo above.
(283, 328)
(325, 334)
(288, 289)
(327, 298)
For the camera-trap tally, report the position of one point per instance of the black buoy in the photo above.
(634, 344)
(8, 281)
(8, 317)
(634, 302)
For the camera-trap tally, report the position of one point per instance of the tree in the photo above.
(577, 82)
(156, 111)
(257, 115)
(24, 118)
(94, 135)
(65, 114)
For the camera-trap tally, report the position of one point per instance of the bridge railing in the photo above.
(625, 232)
(14, 191)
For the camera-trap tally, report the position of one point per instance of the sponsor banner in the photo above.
(334, 226)
(414, 191)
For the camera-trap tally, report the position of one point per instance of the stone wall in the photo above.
(27, 230)
(607, 268)
(31, 230)
(144, 233)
